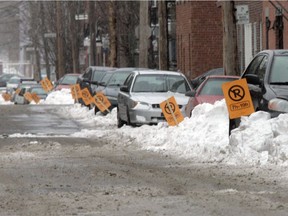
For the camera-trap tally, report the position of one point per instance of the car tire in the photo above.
(96, 110)
(128, 116)
(120, 122)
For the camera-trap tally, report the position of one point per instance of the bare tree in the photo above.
(113, 34)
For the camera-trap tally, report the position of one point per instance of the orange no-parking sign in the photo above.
(75, 91)
(171, 111)
(102, 102)
(238, 98)
(86, 96)
(46, 84)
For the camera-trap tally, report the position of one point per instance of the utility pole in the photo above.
(163, 35)
(60, 53)
(144, 35)
(230, 58)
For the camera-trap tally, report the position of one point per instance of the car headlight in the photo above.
(139, 105)
(278, 104)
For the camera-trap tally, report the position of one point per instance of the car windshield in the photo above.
(279, 70)
(69, 80)
(105, 79)
(14, 80)
(98, 75)
(118, 79)
(213, 86)
(38, 90)
(160, 83)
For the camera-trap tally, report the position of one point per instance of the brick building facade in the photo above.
(199, 33)
(198, 36)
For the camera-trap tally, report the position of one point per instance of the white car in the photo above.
(140, 97)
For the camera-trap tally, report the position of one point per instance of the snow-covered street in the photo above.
(194, 168)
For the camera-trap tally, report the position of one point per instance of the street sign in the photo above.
(28, 96)
(6, 96)
(102, 102)
(50, 35)
(81, 17)
(86, 96)
(75, 91)
(238, 98)
(242, 14)
(171, 111)
(46, 84)
(35, 97)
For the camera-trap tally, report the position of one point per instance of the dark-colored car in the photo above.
(267, 78)
(66, 81)
(111, 82)
(199, 79)
(91, 77)
(209, 91)
(4, 79)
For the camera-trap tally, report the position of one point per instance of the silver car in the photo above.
(140, 97)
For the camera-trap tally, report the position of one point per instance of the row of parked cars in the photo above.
(138, 95)
(138, 92)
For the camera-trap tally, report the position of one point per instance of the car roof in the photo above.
(275, 51)
(150, 71)
(223, 76)
(100, 68)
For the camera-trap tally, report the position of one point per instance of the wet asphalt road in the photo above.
(38, 119)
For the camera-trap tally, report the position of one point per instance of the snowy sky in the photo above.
(203, 138)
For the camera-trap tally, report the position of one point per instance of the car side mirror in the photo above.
(86, 80)
(252, 79)
(190, 93)
(93, 82)
(124, 89)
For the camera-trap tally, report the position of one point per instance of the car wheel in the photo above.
(120, 122)
(128, 116)
(96, 110)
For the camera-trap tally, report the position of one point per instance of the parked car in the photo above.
(66, 81)
(91, 77)
(199, 79)
(38, 89)
(267, 78)
(23, 87)
(140, 97)
(13, 82)
(209, 91)
(4, 79)
(111, 82)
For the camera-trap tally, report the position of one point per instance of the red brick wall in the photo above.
(199, 36)
(272, 35)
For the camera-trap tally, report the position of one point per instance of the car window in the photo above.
(87, 74)
(68, 80)
(260, 71)
(150, 83)
(279, 69)
(129, 80)
(254, 65)
(118, 79)
(39, 91)
(160, 83)
(213, 86)
(177, 84)
(98, 75)
(106, 78)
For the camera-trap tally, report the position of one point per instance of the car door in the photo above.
(257, 70)
(123, 97)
